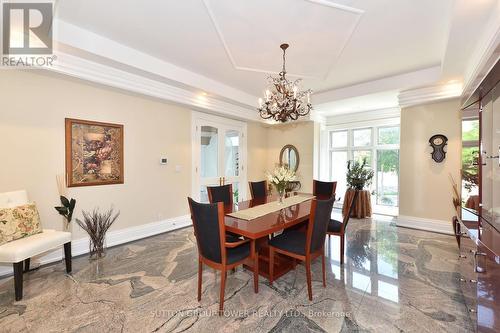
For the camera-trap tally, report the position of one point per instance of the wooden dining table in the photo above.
(260, 228)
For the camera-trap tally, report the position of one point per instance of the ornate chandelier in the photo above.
(283, 101)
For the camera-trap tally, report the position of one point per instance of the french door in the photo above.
(219, 155)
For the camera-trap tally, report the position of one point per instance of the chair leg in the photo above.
(271, 265)
(223, 277)
(308, 275)
(67, 257)
(18, 280)
(342, 249)
(200, 277)
(27, 265)
(323, 268)
(256, 273)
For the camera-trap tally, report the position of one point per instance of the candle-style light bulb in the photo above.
(268, 94)
(260, 102)
(308, 98)
(295, 91)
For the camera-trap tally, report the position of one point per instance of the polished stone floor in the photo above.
(394, 280)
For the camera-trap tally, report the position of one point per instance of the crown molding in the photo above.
(353, 119)
(485, 56)
(107, 75)
(430, 94)
(401, 81)
(88, 45)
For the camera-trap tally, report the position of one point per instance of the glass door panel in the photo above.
(387, 177)
(219, 158)
(339, 170)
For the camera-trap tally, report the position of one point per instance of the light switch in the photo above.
(163, 160)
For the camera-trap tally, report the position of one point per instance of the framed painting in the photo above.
(94, 153)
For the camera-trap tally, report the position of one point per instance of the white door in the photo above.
(219, 155)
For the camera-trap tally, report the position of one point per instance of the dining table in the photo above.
(263, 227)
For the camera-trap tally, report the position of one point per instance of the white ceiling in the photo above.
(334, 44)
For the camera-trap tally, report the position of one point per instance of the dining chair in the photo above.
(214, 251)
(337, 228)
(324, 189)
(223, 194)
(258, 189)
(305, 246)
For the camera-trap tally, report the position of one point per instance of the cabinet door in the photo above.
(486, 153)
(494, 159)
(488, 290)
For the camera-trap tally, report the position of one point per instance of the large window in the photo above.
(379, 145)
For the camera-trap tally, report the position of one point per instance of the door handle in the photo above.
(478, 269)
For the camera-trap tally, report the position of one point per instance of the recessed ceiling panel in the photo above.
(252, 31)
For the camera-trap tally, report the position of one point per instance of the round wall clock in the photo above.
(438, 142)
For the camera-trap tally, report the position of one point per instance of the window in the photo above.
(470, 161)
(362, 137)
(379, 145)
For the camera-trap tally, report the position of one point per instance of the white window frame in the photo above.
(373, 147)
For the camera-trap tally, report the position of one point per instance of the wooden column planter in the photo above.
(363, 206)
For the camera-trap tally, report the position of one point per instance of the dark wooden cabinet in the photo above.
(480, 274)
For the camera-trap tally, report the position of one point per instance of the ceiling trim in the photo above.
(430, 94)
(80, 39)
(103, 74)
(486, 54)
(358, 118)
(325, 3)
(397, 82)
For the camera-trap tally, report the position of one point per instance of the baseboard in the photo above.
(81, 246)
(439, 226)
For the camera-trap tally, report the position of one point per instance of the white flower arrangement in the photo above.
(280, 177)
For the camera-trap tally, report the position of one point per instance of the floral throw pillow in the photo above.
(19, 222)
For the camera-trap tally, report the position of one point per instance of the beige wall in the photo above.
(32, 111)
(301, 135)
(33, 106)
(425, 189)
(257, 151)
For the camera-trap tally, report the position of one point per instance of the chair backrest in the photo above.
(321, 211)
(324, 189)
(222, 194)
(13, 199)
(258, 189)
(208, 223)
(351, 208)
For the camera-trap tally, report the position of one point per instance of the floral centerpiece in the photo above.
(280, 178)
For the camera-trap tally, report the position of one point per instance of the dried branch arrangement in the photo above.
(96, 224)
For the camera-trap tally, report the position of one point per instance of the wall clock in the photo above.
(438, 142)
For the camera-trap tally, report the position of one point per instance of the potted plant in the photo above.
(280, 178)
(359, 176)
(66, 210)
(96, 224)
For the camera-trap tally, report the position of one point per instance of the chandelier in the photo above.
(283, 101)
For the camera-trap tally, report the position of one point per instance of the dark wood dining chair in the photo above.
(337, 228)
(223, 194)
(214, 251)
(305, 246)
(258, 189)
(324, 189)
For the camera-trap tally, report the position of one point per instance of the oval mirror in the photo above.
(289, 156)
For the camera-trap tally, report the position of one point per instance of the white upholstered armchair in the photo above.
(19, 252)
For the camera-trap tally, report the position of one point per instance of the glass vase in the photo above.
(281, 194)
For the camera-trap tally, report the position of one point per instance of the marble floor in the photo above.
(394, 280)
